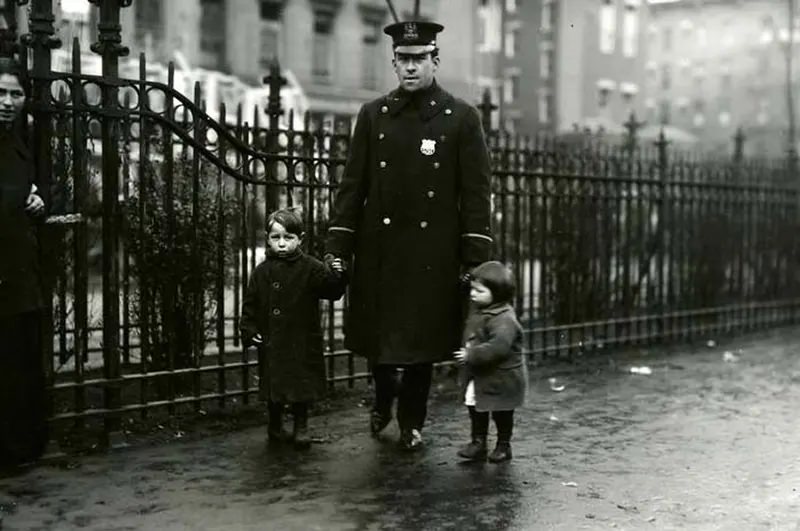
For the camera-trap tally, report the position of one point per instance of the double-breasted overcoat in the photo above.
(494, 360)
(412, 208)
(282, 305)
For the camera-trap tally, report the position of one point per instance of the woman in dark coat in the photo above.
(493, 376)
(23, 432)
(280, 315)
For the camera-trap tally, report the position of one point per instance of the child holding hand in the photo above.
(281, 316)
(493, 373)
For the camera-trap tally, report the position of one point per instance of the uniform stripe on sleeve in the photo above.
(476, 235)
(340, 229)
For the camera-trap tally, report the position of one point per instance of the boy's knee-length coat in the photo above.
(413, 207)
(282, 305)
(494, 361)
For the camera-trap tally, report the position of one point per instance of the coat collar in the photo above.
(289, 258)
(431, 100)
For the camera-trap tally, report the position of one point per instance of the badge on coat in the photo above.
(428, 146)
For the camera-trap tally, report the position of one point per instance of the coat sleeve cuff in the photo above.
(476, 248)
(340, 241)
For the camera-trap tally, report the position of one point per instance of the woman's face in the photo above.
(12, 98)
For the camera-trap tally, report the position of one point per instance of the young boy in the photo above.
(280, 315)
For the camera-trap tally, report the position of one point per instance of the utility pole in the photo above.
(792, 151)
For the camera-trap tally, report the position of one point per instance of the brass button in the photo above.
(431, 193)
(384, 109)
(276, 311)
(383, 164)
(423, 224)
(436, 165)
(276, 285)
(433, 103)
(386, 221)
(381, 136)
(448, 111)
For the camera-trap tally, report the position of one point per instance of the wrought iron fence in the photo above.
(159, 217)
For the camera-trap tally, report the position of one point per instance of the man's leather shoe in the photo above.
(411, 440)
(377, 422)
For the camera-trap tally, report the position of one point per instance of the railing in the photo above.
(162, 215)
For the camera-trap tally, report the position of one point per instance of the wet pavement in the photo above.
(708, 440)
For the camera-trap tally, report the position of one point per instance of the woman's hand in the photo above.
(34, 205)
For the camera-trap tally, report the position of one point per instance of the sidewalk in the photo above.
(707, 440)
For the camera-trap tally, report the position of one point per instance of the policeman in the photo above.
(412, 210)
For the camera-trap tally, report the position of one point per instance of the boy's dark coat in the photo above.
(494, 359)
(282, 304)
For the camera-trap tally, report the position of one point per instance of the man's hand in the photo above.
(34, 205)
(460, 356)
(337, 265)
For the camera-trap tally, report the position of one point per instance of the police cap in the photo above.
(413, 37)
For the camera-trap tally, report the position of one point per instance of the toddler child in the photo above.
(493, 374)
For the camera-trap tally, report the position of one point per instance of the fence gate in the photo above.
(158, 210)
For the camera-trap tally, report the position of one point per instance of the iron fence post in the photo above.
(41, 41)
(632, 126)
(109, 46)
(486, 107)
(738, 146)
(663, 168)
(275, 81)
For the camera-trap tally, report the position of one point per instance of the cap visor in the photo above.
(416, 49)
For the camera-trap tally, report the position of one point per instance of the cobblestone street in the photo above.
(707, 440)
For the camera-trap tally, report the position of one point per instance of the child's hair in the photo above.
(289, 218)
(497, 278)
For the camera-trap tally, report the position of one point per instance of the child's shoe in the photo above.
(474, 451)
(501, 452)
(302, 439)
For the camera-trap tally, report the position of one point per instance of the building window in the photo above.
(512, 42)
(546, 61)
(511, 6)
(545, 106)
(630, 35)
(547, 15)
(489, 27)
(628, 91)
(371, 58)
(664, 112)
(604, 89)
(271, 10)
(511, 88)
(666, 39)
(666, 77)
(608, 26)
(212, 34)
(702, 37)
(322, 45)
(149, 21)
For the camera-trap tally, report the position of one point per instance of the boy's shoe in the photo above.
(377, 422)
(474, 451)
(501, 452)
(302, 440)
(411, 440)
(280, 436)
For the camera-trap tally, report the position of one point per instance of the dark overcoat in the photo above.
(494, 360)
(282, 305)
(20, 290)
(413, 208)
